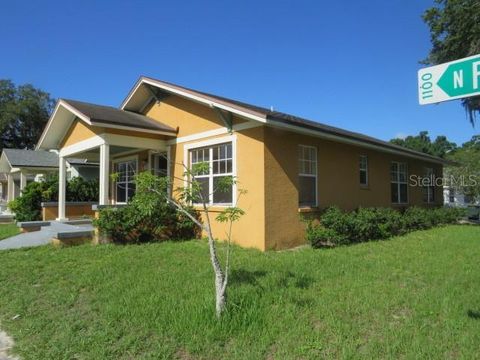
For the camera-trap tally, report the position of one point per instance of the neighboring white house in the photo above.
(18, 167)
(453, 197)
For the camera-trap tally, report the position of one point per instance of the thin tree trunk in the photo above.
(220, 285)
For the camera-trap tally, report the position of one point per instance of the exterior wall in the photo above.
(337, 178)
(249, 231)
(80, 131)
(188, 116)
(72, 211)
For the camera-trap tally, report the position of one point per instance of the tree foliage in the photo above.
(464, 173)
(455, 34)
(24, 111)
(422, 142)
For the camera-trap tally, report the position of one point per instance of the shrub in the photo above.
(417, 218)
(79, 189)
(319, 236)
(364, 224)
(28, 206)
(335, 219)
(373, 224)
(147, 217)
(446, 215)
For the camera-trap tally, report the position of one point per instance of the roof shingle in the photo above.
(110, 115)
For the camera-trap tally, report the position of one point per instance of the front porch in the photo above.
(124, 155)
(120, 141)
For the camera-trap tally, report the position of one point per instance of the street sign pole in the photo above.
(453, 80)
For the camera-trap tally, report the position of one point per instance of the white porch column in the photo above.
(23, 180)
(104, 174)
(62, 171)
(11, 188)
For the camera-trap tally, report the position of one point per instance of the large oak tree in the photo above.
(24, 111)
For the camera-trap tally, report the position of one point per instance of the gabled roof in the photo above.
(142, 92)
(31, 158)
(66, 111)
(104, 115)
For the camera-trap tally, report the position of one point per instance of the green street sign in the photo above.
(449, 81)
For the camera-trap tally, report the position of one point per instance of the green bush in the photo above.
(27, 207)
(147, 217)
(364, 224)
(319, 236)
(79, 189)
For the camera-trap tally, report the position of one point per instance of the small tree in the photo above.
(193, 192)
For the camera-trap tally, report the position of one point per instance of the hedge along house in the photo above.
(287, 164)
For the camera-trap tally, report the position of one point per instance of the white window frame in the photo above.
(398, 182)
(121, 160)
(430, 188)
(315, 150)
(366, 170)
(210, 143)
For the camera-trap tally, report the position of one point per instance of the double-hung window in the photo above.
(219, 159)
(125, 182)
(307, 172)
(363, 170)
(398, 181)
(429, 187)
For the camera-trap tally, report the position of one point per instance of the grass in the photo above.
(7, 230)
(416, 296)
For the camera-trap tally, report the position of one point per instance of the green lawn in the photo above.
(7, 230)
(416, 296)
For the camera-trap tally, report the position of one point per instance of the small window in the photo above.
(363, 170)
(429, 187)
(125, 182)
(451, 195)
(398, 183)
(307, 163)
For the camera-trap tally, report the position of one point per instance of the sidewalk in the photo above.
(38, 238)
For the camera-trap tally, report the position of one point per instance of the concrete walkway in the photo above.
(6, 344)
(41, 237)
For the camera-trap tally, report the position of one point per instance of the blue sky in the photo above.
(351, 64)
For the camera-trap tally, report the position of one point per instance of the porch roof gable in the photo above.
(66, 111)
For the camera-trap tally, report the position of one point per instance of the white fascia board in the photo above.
(82, 146)
(196, 98)
(215, 132)
(341, 139)
(60, 103)
(75, 112)
(47, 127)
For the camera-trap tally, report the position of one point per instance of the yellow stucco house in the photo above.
(287, 164)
